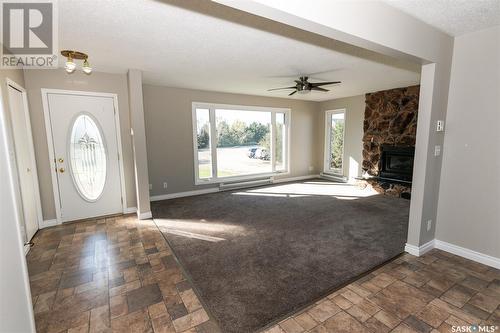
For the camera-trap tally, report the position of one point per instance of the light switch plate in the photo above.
(440, 126)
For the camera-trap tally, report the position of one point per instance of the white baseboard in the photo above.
(144, 216)
(454, 249)
(183, 194)
(129, 210)
(468, 254)
(419, 250)
(49, 223)
(334, 177)
(216, 189)
(294, 179)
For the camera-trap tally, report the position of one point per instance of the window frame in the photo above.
(327, 148)
(213, 142)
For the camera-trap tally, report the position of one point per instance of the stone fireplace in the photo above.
(390, 128)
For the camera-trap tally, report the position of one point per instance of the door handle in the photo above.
(61, 170)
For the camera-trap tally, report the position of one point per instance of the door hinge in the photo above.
(121, 199)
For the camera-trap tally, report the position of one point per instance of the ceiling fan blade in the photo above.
(293, 92)
(323, 83)
(282, 88)
(319, 89)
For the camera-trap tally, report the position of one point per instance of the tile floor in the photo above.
(119, 275)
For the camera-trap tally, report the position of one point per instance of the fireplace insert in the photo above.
(396, 162)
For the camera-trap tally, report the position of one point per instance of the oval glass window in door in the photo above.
(87, 154)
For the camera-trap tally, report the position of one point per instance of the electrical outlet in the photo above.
(165, 185)
(150, 187)
(311, 168)
(429, 225)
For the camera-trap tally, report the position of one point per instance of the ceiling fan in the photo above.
(303, 86)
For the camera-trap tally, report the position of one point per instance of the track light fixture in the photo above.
(70, 65)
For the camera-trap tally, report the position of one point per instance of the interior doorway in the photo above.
(25, 161)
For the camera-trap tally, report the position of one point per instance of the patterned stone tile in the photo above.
(323, 311)
(119, 275)
(343, 323)
(458, 295)
(417, 324)
(376, 326)
(291, 326)
(401, 299)
(433, 315)
(190, 320)
(342, 302)
(306, 321)
(208, 327)
(387, 319)
(485, 302)
(176, 310)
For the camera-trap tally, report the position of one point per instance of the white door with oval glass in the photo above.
(84, 134)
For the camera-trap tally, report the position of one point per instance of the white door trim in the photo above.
(50, 142)
(31, 148)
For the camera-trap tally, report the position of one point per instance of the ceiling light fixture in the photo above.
(86, 67)
(70, 65)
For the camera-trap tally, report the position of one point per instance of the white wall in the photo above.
(469, 195)
(353, 140)
(16, 310)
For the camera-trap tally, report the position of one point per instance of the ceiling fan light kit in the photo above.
(70, 65)
(303, 86)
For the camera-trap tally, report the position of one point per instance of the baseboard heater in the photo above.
(333, 177)
(251, 183)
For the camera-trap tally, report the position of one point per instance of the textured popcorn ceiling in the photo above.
(203, 45)
(455, 17)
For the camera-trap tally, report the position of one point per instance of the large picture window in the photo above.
(334, 141)
(239, 142)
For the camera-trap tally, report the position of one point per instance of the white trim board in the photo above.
(468, 254)
(129, 210)
(49, 223)
(419, 250)
(183, 194)
(31, 148)
(294, 179)
(216, 189)
(144, 216)
(482, 258)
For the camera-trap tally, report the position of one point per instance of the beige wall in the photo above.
(96, 82)
(469, 195)
(169, 133)
(353, 145)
